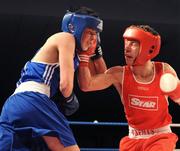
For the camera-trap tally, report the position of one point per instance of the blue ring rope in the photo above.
(98, 123)
(99, 149)
(109, 123)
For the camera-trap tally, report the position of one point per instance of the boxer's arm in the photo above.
(100, 65)
(66, 53)
(60, 48)
(175, 95)
(97, 63)
(89, 82)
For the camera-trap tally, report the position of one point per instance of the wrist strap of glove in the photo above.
(70, 98)
(84, 59)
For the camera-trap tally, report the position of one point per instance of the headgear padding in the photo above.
(149, 43)
(77, 23)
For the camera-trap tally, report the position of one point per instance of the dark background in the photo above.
(26, 24)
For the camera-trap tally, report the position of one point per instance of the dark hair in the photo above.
(147, 28)
(84, 11)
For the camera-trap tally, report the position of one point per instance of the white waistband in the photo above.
(137, 134)
(34, 87)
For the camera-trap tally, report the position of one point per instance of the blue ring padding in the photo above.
(98, 123)
(99, 149)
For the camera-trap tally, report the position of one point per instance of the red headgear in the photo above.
(149, 43)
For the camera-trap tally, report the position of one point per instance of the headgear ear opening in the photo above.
(150, 51)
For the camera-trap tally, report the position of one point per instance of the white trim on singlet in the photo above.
(154, 75)
(48, 73)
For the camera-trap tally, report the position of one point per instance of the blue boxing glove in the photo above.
(70, 105)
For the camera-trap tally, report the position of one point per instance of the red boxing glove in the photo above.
(84, 56)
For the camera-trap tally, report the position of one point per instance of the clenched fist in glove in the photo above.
(84, 56)
(70, 105)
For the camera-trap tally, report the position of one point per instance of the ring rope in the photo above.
(99, 149)
(96, 123)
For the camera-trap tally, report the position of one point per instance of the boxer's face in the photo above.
(89, 39)
(131, 50)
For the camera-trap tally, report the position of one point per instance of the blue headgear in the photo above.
(76, 24)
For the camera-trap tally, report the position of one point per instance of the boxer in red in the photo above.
(144, 86)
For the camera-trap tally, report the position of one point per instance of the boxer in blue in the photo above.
(29, 115)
